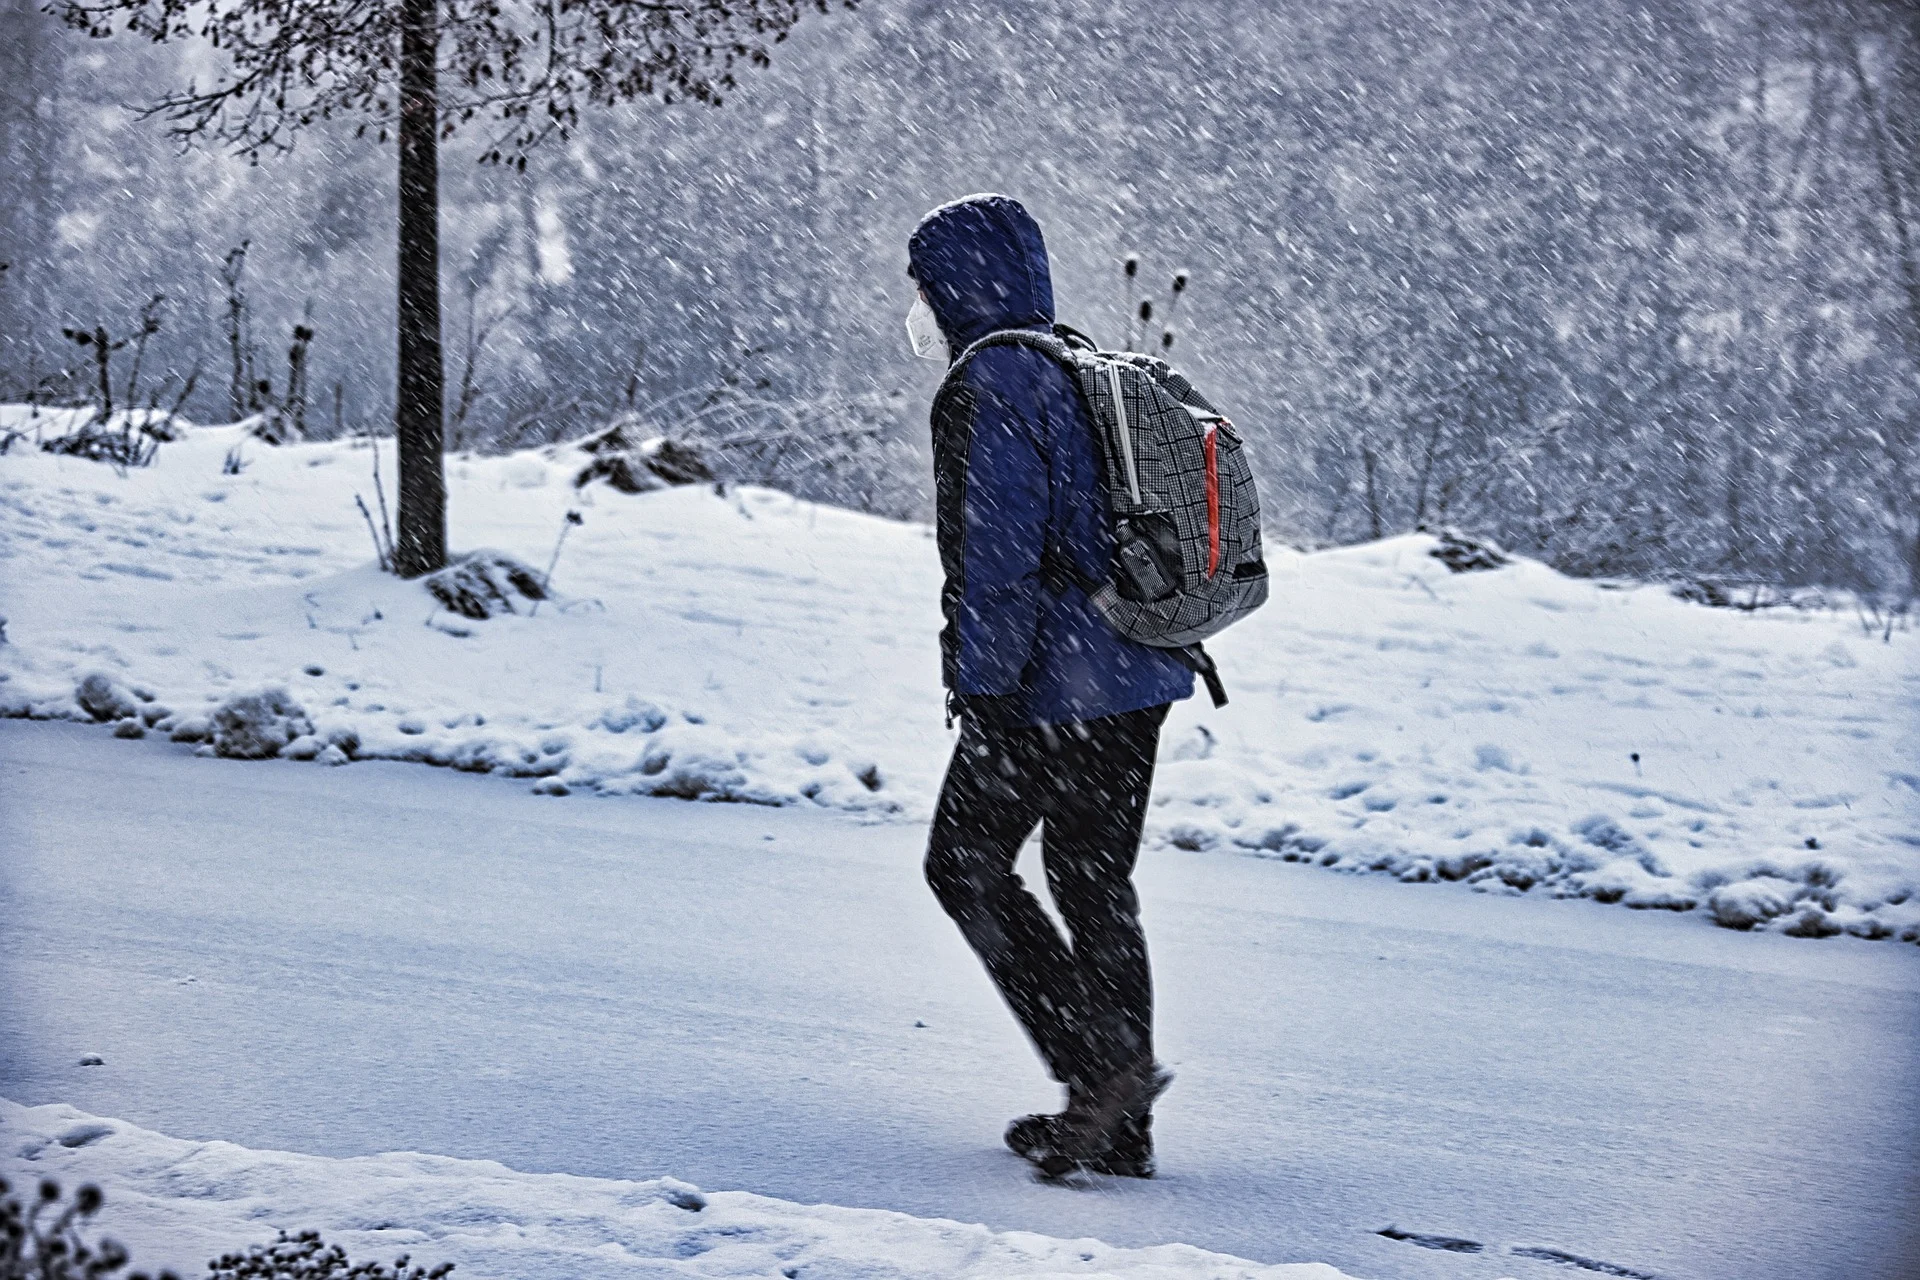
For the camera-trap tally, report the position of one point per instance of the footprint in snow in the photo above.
(1446, 1244)
(81, 1135)
(1489, 756)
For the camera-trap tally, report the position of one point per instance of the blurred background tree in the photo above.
(1625, 284)
(418, 69)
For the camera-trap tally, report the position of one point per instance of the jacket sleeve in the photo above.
(1005, 528)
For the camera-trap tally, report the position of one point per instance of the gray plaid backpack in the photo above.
(1186, 518)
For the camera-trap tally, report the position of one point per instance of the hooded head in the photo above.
(983, 267)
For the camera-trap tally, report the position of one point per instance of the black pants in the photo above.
(1088, 1003)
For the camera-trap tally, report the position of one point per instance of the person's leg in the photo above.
(989, 804)
(1101, 773)
(1094, 817)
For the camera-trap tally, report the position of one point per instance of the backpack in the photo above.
(1186, 517)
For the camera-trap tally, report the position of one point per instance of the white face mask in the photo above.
(923, 331)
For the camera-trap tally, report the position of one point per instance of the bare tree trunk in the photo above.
(296, 399)
(239, 386)
(1426, 468)
(419, 416)
(149, 325)
(1753, 371)
(1889, 166)
(1735, 558)
(102, 360)
(30, 68)
(1913, 566)
(1373, 495)
(477, 334)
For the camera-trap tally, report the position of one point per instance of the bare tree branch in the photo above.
(529, 65)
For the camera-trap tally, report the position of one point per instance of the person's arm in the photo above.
(1005, 527)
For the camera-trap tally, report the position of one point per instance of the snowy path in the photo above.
(387, 957)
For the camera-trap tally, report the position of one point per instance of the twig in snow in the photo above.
(385, 548)
(546, 579)
(380, 552)
(380, 492)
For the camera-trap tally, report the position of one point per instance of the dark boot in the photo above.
(1029, 1134)
(1061, 1142)
(1131, 1155)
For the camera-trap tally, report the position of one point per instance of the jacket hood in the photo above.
(983, 265)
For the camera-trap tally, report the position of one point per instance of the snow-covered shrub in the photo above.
(1811, 921)
(693, 763)
(330, 745)
(1603, 832)
(124, 445)
(305, 747)
(275, 427)
(104, 698)
(1751, 902)
(1748, 595)
(634, 713)
(633, 463)
(308, 1257)
(1191, 836)
(198, 728)
(484, 584)
(1467, 555)
(1286, 840)
(1458, 866)
(258, 725)
(43, 1242)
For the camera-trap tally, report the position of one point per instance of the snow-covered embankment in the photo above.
(1514, 729)
(175, 1204)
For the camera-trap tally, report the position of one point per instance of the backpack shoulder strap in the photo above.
(1060, 349)
(1052, 344)
(1074, 338)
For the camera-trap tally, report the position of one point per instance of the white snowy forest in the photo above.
(1633, 288)
(1543, 904)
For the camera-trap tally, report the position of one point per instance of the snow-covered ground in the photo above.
(345, 962)
(1515, 729)
(178, 1203)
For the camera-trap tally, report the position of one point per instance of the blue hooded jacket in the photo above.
(1017, 472)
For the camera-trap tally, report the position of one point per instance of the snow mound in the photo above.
(175, 1204)
(104, 698)
(1752, 902)
(1512, 730)
(258, 725)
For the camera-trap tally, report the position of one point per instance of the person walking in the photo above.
(1059, 714)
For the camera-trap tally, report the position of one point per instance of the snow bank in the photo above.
(176, 1204)
(1511, 729)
